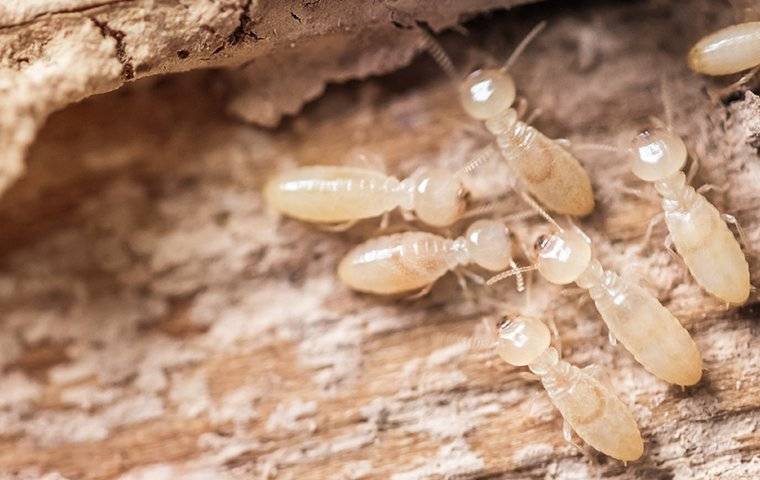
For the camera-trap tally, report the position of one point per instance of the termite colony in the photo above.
(548, 178)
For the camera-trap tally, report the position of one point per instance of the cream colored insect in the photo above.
(633, 316)
(730, 50)
(344, 195)
(696, 227)
(591, 409)
(409, 261)
(544, 168)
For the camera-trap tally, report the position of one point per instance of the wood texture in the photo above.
(157, 321)
(56, 52)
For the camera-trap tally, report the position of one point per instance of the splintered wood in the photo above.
(158, 321)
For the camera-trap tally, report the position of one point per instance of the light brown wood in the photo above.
(158, 322)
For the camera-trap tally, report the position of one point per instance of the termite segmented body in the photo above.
(633, 316)
(701, 236)
(415, 260)
(593, 411)
(336, 194)
(545, 169)
(636, 318)
(729, 50)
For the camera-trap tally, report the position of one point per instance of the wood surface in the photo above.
(157, 321)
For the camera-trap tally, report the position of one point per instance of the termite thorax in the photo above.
(592, 276)
(676, 193)
(545, 363)
(502, 123)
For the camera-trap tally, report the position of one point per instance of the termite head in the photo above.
(440, 198)
(656, 154)
(486, 93)
(489, 245)
(562, 257)
(522, 340)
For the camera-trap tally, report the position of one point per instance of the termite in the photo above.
(409, 261)
(588, 407)
(730, 50)
(339, 196)
(699, 232)
(545, 169)
(633, 316)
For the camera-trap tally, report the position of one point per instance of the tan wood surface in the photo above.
(157, 321)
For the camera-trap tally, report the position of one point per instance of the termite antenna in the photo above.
(522, 45)
(520, 279)
(666, 103)
(510, 273)
(598, 147)
(541, 211)
(485, 155)
(437, 52)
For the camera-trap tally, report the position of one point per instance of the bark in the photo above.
(158, 321)
(57, 52)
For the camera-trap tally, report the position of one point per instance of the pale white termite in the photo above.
(700, 234)
(544, 168)
(730, 50)
(589, 407)
(633, 316)
(344, 194)
(409, 261)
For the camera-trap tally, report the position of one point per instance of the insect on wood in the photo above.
(410, 261)
(699, 232)
(344, 194)
(633, 316)
(543, 167)
(732, 49)
(588, 406)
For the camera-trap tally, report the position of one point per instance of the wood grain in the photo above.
(157, 321)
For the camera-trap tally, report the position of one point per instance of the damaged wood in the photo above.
(158, 321)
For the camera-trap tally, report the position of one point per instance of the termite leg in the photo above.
(338, 227)
(693, 169)
(423, 292)
(742, 237)
(408, 216)
(462, 281)
(555, 333)
(707, 187)
(475, 129)
(611, 337)
(582, 294)
(634, 192)
(572, 291)
(385, 221)
(534, 115)
(668, 244)
(653, 222)
(532, 403)
(472, 276)
(528, 377)
(567, 434)
(737, 84)
(521, 108)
